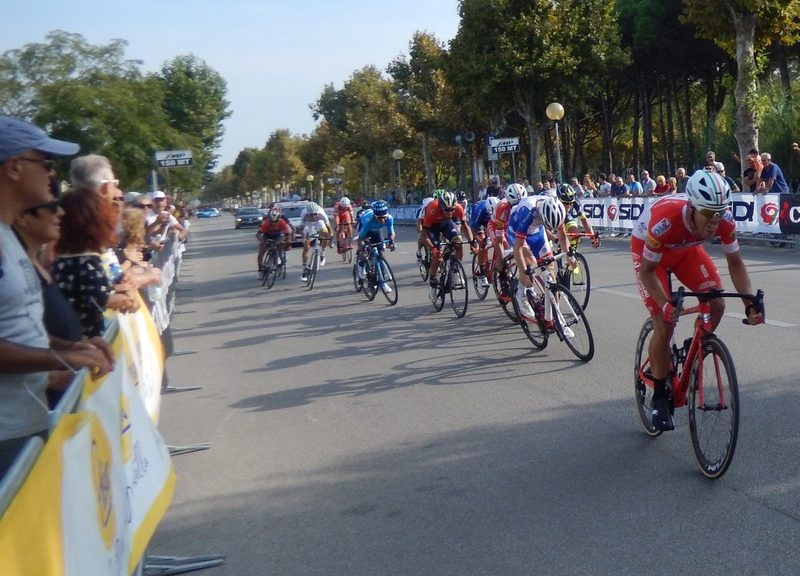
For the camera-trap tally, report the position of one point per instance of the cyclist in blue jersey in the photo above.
(480, 217)
(526, 233)
(369, 232)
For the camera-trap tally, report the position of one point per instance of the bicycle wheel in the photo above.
(313, 264)
(357, 282)
(535, 330)
(438, 302)
(385, 275)
(571, 324)
(504, 290)
(271, 269)
(424, 264)
(713, 408)
(370, 284)
(643, 392)
(579, 280)
(458, 288)
(477, 273)
(349, 253)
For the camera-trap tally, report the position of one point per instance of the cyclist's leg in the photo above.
(262, 249)
(436, 256)
(452, 232)
(697, 271)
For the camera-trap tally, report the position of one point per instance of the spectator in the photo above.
(681, 179)
(130, 251)
(89, 228)
(711, 160)
(618, 188)
(673, 185)
(580, 193)
(481, 193)
(731, 182)
(589, 187)
(662, 187)
(604, 190)
(493, 189)
(648, 184)
(634, 187)
(772, 180)
(26, 352)
(159, 221)
(751, 176)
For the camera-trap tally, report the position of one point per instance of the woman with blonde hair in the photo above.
(129, 251)
(589, 187)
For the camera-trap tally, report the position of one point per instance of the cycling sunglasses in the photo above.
(709, 213)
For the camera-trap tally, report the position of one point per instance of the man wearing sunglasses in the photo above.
(26, 351)
(668, 237)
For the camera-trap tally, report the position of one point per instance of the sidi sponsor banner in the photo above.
(789, 213)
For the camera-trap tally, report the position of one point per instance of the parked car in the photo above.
(248, 216)
(207, 213)
(294, 212)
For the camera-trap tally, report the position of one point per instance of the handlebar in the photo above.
(756, 300)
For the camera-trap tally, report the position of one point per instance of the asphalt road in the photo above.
(353, 438)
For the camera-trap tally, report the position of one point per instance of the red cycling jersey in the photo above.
(662, 235)
(343, 215)
(278, 226)
(435, 215)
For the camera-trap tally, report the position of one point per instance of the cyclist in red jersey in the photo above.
(502, 212)
(668, 237)
(272, 228)
(441, 217)
(343, 219)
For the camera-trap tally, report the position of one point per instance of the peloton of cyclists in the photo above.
(316, 222)
(369, 232)
(272, 228)
(441, 217)
(668, 237)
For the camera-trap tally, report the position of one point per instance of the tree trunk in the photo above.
(690, 152)
(647, 124)
(430, 178)
(635, 132)
(608, 140)
(746, 84)
(663, 129)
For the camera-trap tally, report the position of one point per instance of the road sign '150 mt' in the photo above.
(173, 158)
(503, 145)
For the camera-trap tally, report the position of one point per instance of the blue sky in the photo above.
(275, 56)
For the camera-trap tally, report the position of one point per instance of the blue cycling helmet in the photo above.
(380, 208)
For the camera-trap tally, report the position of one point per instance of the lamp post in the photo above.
(278, 195)
(340, 172)
(555, 112)
(398, 155)
(310, 179)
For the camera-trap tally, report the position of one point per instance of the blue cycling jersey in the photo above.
(369, 224)
(481, 214)
(525, 218)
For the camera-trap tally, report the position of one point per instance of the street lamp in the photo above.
(398, 155)
(310, 179)
(340, 172)
(555, 112)
(278, 195)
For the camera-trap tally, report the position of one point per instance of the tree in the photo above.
(420, 85)
(738, 26)
(194, 100)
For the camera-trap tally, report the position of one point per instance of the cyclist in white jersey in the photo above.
(315, 221)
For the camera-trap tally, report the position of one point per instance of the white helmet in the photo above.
(515, 193)
(313, 208)
(708, 190)
(553, 212)
(491, 202)
(344, 202)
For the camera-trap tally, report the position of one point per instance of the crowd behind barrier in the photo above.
(88, 500)
(769, 216)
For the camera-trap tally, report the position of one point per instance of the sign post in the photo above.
(506, 146)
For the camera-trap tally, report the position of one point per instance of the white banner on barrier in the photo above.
(753, 213)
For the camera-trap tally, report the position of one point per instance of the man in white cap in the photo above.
(26, 351)
(158, 219)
